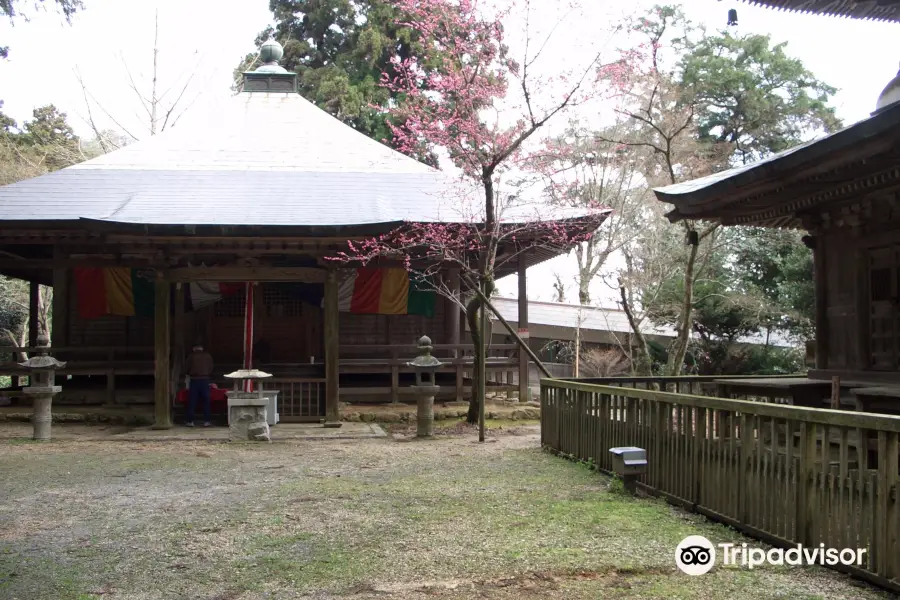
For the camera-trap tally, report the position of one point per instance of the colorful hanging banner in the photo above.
(384, 292)
(128, 292)
(117, 291)
(199, 294)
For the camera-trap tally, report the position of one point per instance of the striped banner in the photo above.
(384, 292)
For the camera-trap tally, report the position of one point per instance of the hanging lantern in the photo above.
(732, 17)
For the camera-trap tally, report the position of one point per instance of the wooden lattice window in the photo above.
(231, 306)
(279, 302)
(884, 284)
(880, 285)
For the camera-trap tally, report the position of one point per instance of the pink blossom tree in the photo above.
(466, 117)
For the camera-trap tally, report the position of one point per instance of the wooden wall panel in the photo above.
(392, 329)
(293, 329)
(841, 297)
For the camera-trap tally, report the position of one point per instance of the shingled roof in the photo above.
(876, 10)
(261, 158)
(754, 193)
(266, 157)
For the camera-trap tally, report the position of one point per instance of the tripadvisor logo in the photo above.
(696, 555)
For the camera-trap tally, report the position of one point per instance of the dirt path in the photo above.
(448, 518)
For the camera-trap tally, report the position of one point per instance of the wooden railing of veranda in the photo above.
(783, 474)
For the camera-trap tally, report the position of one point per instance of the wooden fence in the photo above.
(784, 474)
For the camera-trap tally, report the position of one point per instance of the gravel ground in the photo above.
(356, 519)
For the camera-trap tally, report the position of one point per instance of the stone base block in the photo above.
(247, 422)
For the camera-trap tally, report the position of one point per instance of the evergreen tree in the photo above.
(340, 49)
(10, 10)
(754, 96)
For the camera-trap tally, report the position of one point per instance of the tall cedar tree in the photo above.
(752, 95)
(340, 49)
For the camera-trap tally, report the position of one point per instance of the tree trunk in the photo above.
(642, 363)
(485, 281)
(584, 295)
(42, 417)
(472, 316)
(680, 345)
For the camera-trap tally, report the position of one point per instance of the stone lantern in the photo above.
(42, 388)
(426, 388)
(247, 411)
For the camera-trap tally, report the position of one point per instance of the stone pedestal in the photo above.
(247, 417)
(41, 400)
(425, 409)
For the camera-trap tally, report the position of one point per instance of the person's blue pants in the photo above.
(199, 389)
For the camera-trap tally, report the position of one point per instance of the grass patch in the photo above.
(367, 518)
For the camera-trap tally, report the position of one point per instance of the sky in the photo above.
(110, 44)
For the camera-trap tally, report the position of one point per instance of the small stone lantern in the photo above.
(426, 388)
(247, 414)
(42, 388)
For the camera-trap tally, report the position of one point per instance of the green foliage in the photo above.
(701, 104)
(756, 282)
(339, 49)
(779, 266)
(658, 354)
(10, 9)
(718, 358)
(752, 94)
(769, 360)
(43, 144)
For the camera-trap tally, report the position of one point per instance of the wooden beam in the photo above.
(452, 311)
(34, 302)
(296, 274)
(524, 388)
(161, 391)
(332, 351)
(69, 263)
(60, 334)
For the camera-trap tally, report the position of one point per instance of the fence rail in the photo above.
(783, 474)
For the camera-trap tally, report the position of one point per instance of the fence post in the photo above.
(559, 417)
(886, 509)
(545, 413)
(745, 435)
(806, 483)
(699, 447)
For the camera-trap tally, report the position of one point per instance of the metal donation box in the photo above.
(629, 463)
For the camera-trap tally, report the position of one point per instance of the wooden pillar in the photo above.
(524, 389)
(863, 311)
(332, 352)
(820, 273)
(34, 302)
(177, 339)
(161, 325)
(60, 325)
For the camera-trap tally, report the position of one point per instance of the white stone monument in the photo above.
(247, 411)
